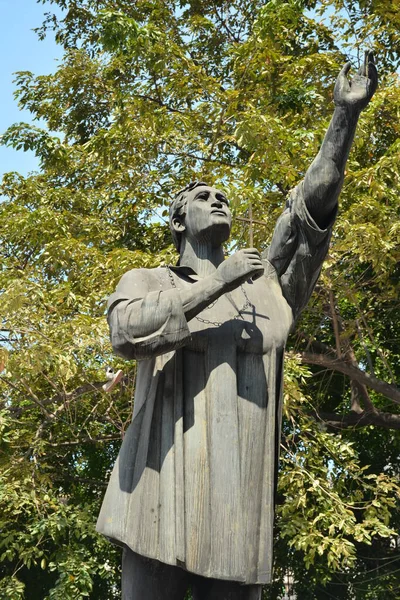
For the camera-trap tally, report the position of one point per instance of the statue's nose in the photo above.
(216, 202)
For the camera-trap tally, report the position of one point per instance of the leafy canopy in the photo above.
(149, 96)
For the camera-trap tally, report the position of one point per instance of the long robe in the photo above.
(195, 478)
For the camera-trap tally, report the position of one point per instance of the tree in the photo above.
(149, 96)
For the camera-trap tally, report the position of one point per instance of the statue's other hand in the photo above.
(243, 265)
(359, 91)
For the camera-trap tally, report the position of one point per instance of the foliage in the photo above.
(151, 95)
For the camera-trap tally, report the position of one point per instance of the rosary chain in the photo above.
(246, 305)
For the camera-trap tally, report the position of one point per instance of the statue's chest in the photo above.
(255, 317)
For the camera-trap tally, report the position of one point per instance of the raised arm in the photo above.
(302, 233)
(324, 179)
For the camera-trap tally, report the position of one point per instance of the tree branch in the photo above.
(224, 24)
(87, 440)
(358, 389)
(363, 378)
(203, 159)
(86, 480)
(356, 420)
(159, 102)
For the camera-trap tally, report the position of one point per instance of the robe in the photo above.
(195, 478)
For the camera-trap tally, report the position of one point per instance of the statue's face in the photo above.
(208, 217)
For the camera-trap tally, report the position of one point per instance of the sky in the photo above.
(21, 50)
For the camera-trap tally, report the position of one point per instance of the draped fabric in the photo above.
(195, 479)
(298, 249)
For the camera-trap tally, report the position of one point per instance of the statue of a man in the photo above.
(191, 497)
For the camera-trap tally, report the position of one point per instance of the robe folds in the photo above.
(195, 478)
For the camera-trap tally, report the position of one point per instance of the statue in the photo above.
(191, 497)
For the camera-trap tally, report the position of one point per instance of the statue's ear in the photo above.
(178, 224)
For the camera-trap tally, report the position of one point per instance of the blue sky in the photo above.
(21, 50)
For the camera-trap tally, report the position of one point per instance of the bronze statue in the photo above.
(191, 497)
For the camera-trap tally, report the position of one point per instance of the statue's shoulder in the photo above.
(149, 278)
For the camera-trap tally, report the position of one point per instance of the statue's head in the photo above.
(200, 212)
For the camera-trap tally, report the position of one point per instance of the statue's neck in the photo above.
(200, 256)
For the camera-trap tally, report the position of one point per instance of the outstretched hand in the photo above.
(358, 92)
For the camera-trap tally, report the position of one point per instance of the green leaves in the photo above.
(44, 533)
(149, 96)
(118, 32)
(330, 502)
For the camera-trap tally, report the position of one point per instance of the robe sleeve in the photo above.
(145, 320)
(298, 249)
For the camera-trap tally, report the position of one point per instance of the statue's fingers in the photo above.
(365, 65)
(343, 73)
(342, 83)
(372, 77)
(362, 70)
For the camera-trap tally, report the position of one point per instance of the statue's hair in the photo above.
(178, 209)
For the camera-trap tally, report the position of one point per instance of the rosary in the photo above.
(240, 311)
